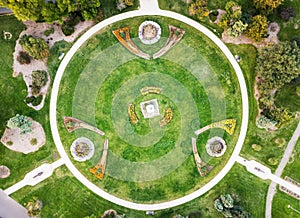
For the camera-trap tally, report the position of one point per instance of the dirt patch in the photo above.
(37, 30)
(25, 143)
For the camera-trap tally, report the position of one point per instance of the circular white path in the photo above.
(148, 7)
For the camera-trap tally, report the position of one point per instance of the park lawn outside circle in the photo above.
(91, 111)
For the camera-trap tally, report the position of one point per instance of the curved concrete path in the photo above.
(286, 156)
(148, 7)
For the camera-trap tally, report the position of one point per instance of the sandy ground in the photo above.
(37, 30)
(21, 142)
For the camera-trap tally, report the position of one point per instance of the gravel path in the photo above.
(288, 152)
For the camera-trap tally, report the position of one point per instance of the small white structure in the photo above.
(150, 108)
(149, 32)
(215, 147)
(82, 149)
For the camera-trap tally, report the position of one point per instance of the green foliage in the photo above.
(39, 79)
(225, 205)
(33, 141)
(9, 143)
(199, 8)
(233, 14)
(256, 147)
(122, 4)
(278, 64)
(68, 25)
(227, 200)
(21, 122)
(213, 15)
(35, 101)
(218, 205)
(34, 207)
(49, 31)
(50, 11)
(23, 58)
(237, 29)
(36, 47)
(258, 29)
(267, 5)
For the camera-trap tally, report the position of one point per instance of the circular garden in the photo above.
(149, 110)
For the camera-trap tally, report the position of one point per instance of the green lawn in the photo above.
(121, 84)
(238, 181)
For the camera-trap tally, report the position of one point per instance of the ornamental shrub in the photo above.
(39, 79)
(23, 57)
(21, 122)
(36, 47)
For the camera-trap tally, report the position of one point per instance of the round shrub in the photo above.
(35, 101)
(273, 161)
(33, 141)
(213, 15)
(256, 147)
(9, 143)
(23, 58)
(67, 29)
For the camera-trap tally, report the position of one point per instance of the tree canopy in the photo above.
(258, 28)
(267, 5)
(49, 11)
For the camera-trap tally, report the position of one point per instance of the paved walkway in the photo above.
(36, 176)
(286, 156)
(264, 173)
(148, 7)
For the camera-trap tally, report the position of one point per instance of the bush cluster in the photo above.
(39, 79)
(36, 47)
(35, 101)
(24, 58)
(69, 24)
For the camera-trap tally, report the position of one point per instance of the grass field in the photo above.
(122, 80)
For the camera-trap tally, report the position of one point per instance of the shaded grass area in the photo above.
(238, 181)
(186, 178)
(12, 94)
(287, 96)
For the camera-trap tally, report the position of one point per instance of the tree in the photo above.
(199, 9)
(278, 64)
(258, 28)
(21, 122)
(24, 10)
(267, 5)
(36, 47)
(49, 11)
